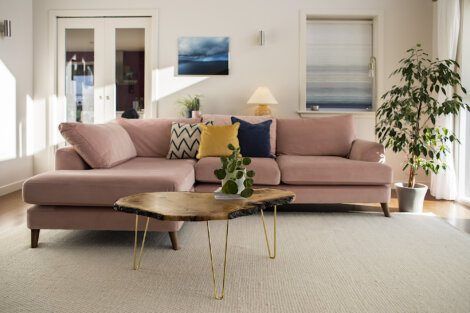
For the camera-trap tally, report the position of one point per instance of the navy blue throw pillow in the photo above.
(254, 138)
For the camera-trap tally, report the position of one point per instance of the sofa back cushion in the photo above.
(151, 137)
(100, 145)
(331, 136)
(226, 120)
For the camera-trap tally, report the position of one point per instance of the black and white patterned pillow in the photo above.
(185, 139)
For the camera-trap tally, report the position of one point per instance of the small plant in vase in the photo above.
(191, 106)
(236, 180)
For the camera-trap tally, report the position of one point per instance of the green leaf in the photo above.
(230, 187)
(250, 173)
(239, 174)
(224, 161)
(220, 174)
(231, 167)
(231, 147)
(246, 161)
(246, 193)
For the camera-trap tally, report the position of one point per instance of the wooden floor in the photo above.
(13, 210)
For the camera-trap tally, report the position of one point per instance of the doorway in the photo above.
(104, 68)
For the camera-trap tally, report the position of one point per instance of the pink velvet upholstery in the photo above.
(100, 145)
(267, 171)
(331, 136)
(325, 194)
(91, 218)
(102, 187)
(226, 120)
(68, 159)
(330, 170)
(320, 161)
(369, 151)
(151, 137)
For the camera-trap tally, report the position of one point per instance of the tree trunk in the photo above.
(411, 178)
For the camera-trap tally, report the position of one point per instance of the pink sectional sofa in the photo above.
(319, 159)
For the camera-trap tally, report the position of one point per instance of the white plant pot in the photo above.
(240, 182)
(411, 199)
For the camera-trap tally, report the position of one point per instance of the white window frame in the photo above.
(378, 52)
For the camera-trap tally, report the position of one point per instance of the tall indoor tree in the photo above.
(407, 117)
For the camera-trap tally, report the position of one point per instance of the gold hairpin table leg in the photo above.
(216, 294)
(137, 261)
(273, 256)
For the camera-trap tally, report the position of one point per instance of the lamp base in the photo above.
(262, 109)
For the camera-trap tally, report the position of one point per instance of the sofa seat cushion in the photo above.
(329, 170)
(102, 187)
(267, 171)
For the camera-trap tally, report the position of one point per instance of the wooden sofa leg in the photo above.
(384, 206)
(34, 238)
(174, 240)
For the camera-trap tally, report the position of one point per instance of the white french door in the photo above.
(103, 67)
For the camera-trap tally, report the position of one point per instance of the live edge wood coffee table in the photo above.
(196, 207)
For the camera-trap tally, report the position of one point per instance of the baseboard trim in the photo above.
(11, 187)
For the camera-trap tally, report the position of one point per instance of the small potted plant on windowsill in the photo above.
(191, 106)
(406, 120)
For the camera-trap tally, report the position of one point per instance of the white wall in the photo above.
(16, 54)
(276, 65)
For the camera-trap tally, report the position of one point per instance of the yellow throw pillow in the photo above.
(215, 139)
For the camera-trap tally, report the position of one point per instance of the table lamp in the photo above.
(262, 97)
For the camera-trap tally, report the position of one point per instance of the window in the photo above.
(8, 116)
(340, 64)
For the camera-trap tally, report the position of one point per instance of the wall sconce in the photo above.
(262, 38)
(5, 28)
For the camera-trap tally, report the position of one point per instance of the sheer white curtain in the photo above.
(444, 184)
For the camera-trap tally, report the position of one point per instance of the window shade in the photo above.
(338, 57)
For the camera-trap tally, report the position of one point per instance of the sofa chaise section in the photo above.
(77, 197)
(102, 187)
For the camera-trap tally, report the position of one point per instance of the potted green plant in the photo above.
(406, 120)
(191, 106)
(236, 180)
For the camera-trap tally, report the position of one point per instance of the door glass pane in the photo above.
(79, 77)
(130, 72)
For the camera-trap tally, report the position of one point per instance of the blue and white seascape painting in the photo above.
(203, 56)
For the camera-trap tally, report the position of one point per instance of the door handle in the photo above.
(107, 97)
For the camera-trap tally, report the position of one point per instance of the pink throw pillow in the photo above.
(100, 145)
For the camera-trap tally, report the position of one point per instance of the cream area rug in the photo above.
(326, 262)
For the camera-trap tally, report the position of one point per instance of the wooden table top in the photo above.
(195, 206)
